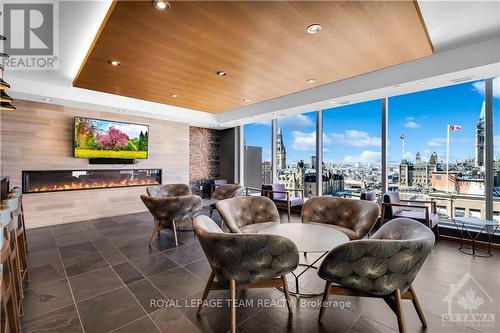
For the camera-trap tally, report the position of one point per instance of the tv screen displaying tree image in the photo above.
(97, 138)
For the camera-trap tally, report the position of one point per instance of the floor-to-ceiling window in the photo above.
(352, 149)
(496, 146)
(296, 152)
(257, 153)
(436, 148)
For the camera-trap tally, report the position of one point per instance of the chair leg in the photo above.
(174, 231)
(399, 311)
(205, 292)
(287, 294)
(326, 294)
(288, 211)
(156, 229)
(211, 211)
(232, 287)
(416, 304)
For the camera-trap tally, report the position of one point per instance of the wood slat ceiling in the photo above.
(263, 47)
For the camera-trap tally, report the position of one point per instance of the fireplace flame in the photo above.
(94, 185)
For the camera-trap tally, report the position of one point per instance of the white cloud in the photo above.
(412, 125)
(479, 87)
(355, 138)
(299, 120)
(410, 118)
(408, 156)
(366, 156)
(436, 142)
(304, 141)
(131, 130)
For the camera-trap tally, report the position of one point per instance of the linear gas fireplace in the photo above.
(70, 180)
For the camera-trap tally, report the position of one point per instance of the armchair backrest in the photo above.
(245, 258)
(242, 211)
(219, 182)
(368, 196)
(357, 215)
(168, 190)
(391, 198)
(274, 187)
(388, 261)
(168, 209)
(227, 191)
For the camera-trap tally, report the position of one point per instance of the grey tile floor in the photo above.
(101, 276)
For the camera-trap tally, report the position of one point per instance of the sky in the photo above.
(132, 130)
(351, 133)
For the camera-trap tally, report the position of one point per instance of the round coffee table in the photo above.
(312, 238)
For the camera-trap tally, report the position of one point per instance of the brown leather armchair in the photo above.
(423, 211)
(223, 192)
(353, 217)
(170, 212)
(248, 214)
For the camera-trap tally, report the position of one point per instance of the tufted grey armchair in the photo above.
(383, 266)
(244, 261)
(355, 218)
(225, 191)
(167, 211)
(248, 214)
(168, 190)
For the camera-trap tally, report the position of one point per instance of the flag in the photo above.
(455, 128)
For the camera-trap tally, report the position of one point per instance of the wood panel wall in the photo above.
(38, 136)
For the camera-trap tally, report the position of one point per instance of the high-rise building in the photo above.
(280, 151)
(480, 133)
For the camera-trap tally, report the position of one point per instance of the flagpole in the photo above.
(447, 155)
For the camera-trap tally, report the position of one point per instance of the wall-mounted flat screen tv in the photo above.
(98, 138)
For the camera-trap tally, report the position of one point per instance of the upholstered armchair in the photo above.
(244, 261)
(248, 214)
(421, 210)
(353, 217)
(368, 196)
(168, 190)
(383, 266)
(214, 183)
(170, 212)
(282, 197)
(223, 192)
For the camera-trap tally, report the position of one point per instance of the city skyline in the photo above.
(352, 132)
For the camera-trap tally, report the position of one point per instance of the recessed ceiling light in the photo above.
(311, 81)
(221, 73)
(161, 4)
(114, 62)
(396, 86)
(313, 28)
(46, 99)
(173, 95)
(120, 110)
(246, 100)
(331, 102)
(421, 82)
